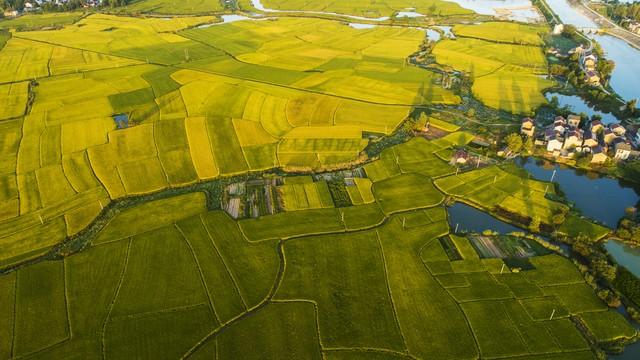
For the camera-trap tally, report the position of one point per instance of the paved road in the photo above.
(610, 27)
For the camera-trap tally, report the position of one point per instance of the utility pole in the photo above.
(552, 313)
(502, 269)
(553, 175)
(456, 230)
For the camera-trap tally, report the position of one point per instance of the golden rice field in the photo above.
(507, 76)
(364, 8)
(175, 7)
(202, 103)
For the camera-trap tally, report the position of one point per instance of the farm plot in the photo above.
(172, 7)
(305, 194)
(365, 8)
(406, 192)
(295, 48)
(515, 33)
(143, 39)
(13, 98)
(495, 189)
(160, 300)
(505, 75)
(303, 144)
(35, 21)
(352, 266)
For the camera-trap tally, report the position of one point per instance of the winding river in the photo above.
(626, 75)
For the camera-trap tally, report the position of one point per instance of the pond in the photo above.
(600, 198)
(469, 219)
(625, 255)
(578, 105)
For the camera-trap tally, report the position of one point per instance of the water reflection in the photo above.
(600, 198)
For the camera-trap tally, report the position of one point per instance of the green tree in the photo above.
(529, 146)
(514, 142)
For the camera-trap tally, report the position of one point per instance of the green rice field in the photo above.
(175, 185)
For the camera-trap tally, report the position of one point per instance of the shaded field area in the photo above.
(158, 283)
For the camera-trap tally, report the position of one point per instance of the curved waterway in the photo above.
(626, 75)
(465, 218)
(600, 198)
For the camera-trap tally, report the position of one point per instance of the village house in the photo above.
(596, 126)
(618, 129)
(634, 27)
(461, 157)
(573, 121)
(589, 141)
(592, 78)
(623, 151)
(599, 156)
(573, 139)
(528, 127)
(555, 144)
(559, 125)
(609, 136)
(558, 29)
(11, 13)
(589, 61)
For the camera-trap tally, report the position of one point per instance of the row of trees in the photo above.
(50, 6)
(618, 11)
(47, 6)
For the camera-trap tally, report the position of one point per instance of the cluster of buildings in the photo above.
(565, 138)
(36, 5)
(633, 26)
(588, 62)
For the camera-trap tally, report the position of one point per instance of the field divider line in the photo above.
(515, 326)
(113, 301)
(498, 41)
(163, 311)
(386, 280)
(316, 309)
(229, 272)
(249, 312)
(66, 297)
(15, 301)
(204, 283)
(372, 350)
(453, 299)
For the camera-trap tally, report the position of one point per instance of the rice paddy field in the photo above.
(161, 283)
(197, 106)
(363, 8)
(495, 189)
(504, 60)
(120, 136)
(175, 7)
